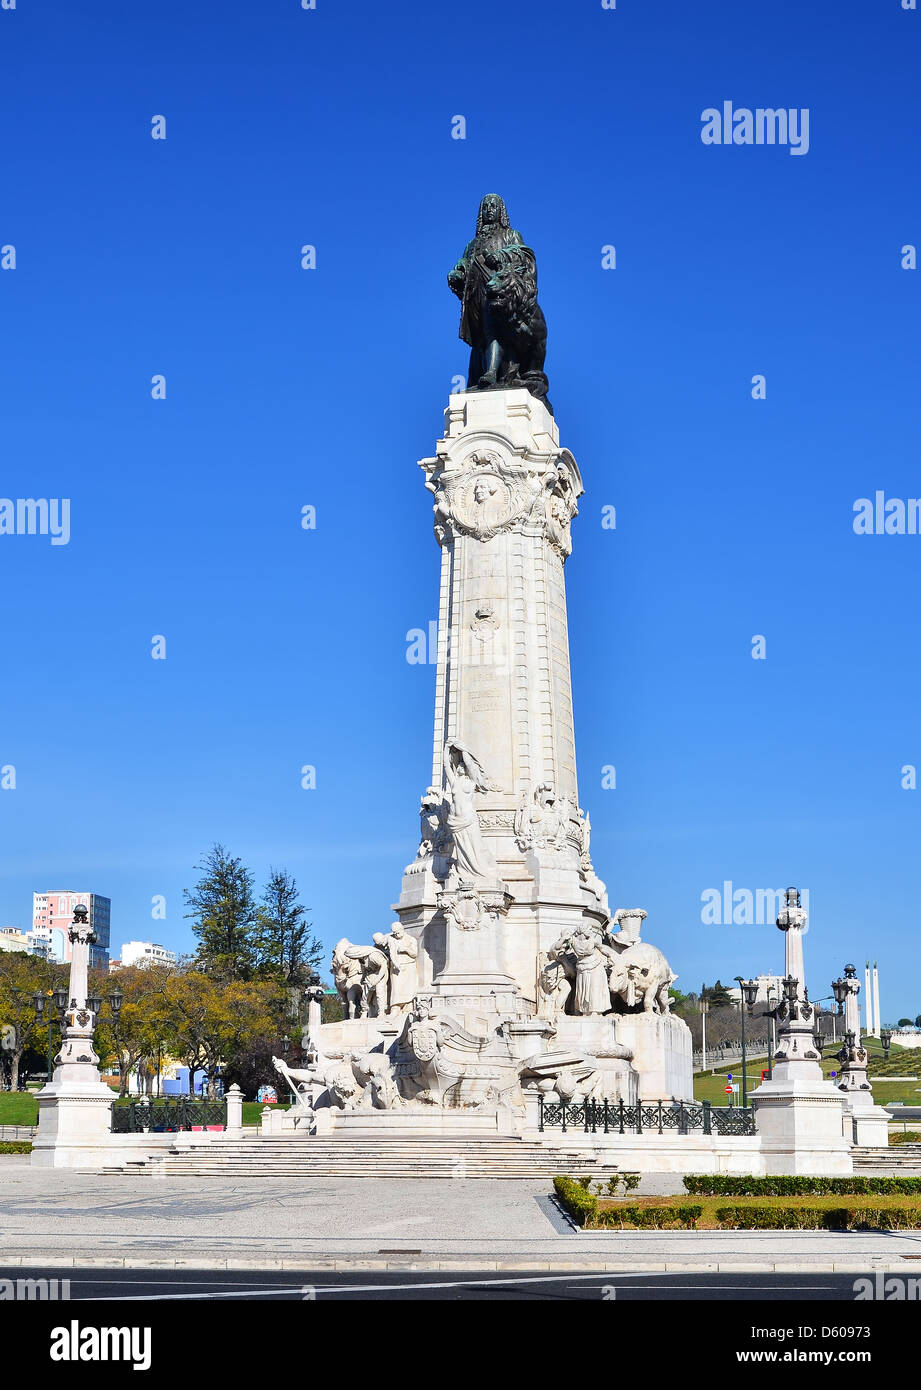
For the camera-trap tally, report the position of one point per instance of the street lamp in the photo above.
(748, 990)
(113, 999)
(885, 1037)
(770, 1014)
(55, 1015)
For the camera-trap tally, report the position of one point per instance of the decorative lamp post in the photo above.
(771, 1015)
(55, 1016)
(795, 1055)
(74, 1108)
(852, 1056)
(885, 1037)
(748, 990)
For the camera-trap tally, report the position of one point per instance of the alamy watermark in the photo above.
(887, 1288)
(743, 907)
(764, 125)
(887, 516)
(34, 1290)
(36, 516)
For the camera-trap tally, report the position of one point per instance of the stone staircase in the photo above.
(904, 1159)
(351, 1156)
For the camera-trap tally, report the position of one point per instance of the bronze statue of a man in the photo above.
(496, 282)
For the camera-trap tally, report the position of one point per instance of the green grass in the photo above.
(18, 1108)
(902, 1061)
(708, 1220)
(252, 1110)
(21, 1108)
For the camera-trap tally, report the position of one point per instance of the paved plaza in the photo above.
(79, 1219)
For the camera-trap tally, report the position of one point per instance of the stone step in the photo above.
(500, 1157)
(357, 1155)
(348, 1170)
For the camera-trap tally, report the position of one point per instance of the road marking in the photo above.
(432, 1284)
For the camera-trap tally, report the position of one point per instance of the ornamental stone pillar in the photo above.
(74, 1109)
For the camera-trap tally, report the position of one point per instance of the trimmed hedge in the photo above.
(905, 1136)
(752, 1218)
(15, 1146)
(649, 1218)
(719, 1185)
(578, 1201)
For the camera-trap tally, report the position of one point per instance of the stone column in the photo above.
(877, 1019)
(505, 494)
(800, 1116)
(234, 1112)
(868, 999)
(74, 1109)
(869, 1122)
(796, 1055)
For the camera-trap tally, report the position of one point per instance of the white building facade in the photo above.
(146, 953)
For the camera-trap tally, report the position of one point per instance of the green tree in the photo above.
(210, 1022)
(904, 1022)
(224, 916)
(136, 1034)
(287, 950)
(21, 977)
(718, 996)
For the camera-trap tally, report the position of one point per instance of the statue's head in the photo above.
(492, 213)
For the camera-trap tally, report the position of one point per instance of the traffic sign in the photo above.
(729, 1090)
(729, 1076)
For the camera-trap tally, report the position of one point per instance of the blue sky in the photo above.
(288, 387)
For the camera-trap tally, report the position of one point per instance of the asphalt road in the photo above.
(228, 1286)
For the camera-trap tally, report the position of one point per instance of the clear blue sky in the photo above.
(288, 387)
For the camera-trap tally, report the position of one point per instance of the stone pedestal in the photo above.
(800, 1123)
(234, 1127)
(662, 1054)
(865, 1123)
(74, 1120)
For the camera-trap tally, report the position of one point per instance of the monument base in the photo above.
(865, 1123)
(800, 1124)
(74, 1121)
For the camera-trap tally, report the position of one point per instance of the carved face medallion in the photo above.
(483, 504)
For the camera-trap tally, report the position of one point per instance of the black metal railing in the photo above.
(652, 1116)
(164, 1116)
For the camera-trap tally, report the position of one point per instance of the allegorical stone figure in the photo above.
(496, 282)
(464, 777)
(587, 959)
(402, 951)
